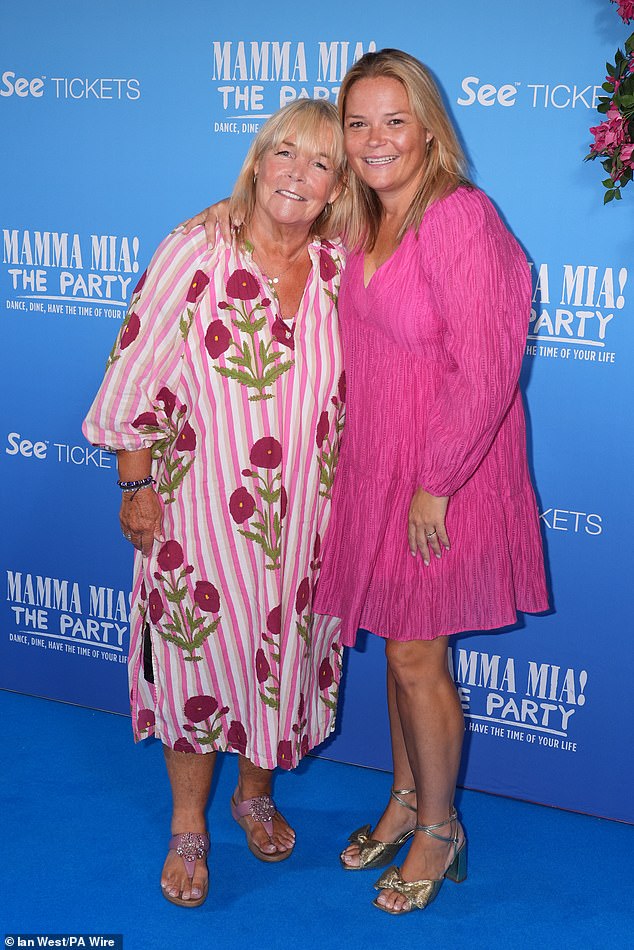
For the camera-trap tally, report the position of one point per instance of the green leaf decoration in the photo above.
(177, 596)
(269, 701)
(609, 195)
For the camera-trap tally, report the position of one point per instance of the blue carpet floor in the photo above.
(85, 822)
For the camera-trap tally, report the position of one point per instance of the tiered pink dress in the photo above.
(433, 348)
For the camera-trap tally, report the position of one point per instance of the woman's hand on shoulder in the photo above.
(141, 519)
(216, 215)
(426, 530)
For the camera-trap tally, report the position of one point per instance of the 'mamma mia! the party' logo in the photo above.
(253, 79)
(575, 312)
(528, 701)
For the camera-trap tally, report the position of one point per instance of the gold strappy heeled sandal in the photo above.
(375, 854)
(421, 893)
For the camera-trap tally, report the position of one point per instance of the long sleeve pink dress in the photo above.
(432, 349)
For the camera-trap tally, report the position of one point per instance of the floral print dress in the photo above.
(243, 412)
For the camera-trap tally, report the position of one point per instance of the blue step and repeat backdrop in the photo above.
(120, 119)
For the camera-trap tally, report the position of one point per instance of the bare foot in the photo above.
(282, 839)
(176, 882)
(427, 860)
(393, 823)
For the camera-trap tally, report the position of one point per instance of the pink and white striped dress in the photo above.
(243, 413)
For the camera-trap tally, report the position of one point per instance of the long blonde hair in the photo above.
(445, 164)
(315, 127)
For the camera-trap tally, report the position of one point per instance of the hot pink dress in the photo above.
(433, 348)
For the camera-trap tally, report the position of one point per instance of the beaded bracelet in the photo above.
(136, 485)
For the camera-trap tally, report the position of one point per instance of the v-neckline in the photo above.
(382, 265)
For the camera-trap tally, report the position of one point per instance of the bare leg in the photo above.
(395, 820)
(433, 729)
(190, 777)
(253, 782)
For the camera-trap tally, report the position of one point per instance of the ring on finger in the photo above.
(430, 534)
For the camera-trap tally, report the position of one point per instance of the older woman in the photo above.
(223, 398)
(434, 528)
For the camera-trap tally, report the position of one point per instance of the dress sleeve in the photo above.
(134, 405)
(481, 282)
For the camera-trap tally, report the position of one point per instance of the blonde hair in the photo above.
(445, 164)
(315, 127)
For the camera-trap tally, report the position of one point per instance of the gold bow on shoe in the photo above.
(418, 893)
(374, 854)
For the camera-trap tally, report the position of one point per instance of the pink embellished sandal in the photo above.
(260, 809)
(189, 846)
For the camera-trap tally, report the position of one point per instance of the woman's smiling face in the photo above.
(385, 143)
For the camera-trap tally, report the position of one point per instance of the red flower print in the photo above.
(283, 501)
(143, 591)
(183, 745)
(266, 302)
(156, 606)
(327, 267)
(266, 453)
(284, 753)
(262, 668)
(207, 597)
(170, 557)
(217, 339)
(131, 331)
(168, 399)
(198, 708)
(304, 747)
(145, 720)
(140, 284)
(325, 675)
(342, 387)
(186, 441)
(242, 285)
(197, 286)
(322, 429)
(237, 737)
(300, 708)
(283, 334)
(303, 593)
(241, 505)
(145, 419)
(316, 547)
(274, 621)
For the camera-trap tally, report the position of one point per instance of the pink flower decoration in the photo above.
(197, 286)
(262, 668)
(171, 556)
(186, 441)
(283, 502)
(626, 154)
(283, 334)
(322, 429)
(625, 10)
(266, 453)
(145, 720)
(198, 708)
(237, 737)
(168, 399)
(217, 339)
(207, 597)
(145, 419)
(327, 267)
(325, 675)
(243, 285)
(241, 505)
(183, 745)
(131, 331)
(284, 754)
(156, 606)
(274, 621)
(303, 594)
